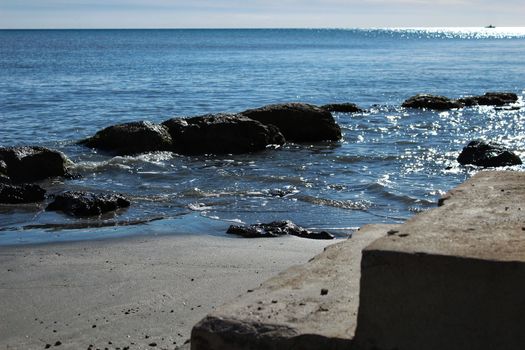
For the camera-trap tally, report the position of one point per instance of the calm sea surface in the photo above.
(57, 87)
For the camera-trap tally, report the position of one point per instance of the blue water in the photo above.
(59, 86)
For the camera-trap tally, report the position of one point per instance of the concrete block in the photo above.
(453, 277)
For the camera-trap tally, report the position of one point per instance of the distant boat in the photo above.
(490, 26)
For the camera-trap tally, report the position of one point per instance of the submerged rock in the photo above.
(26, 193)
(30, 163)
(87, 203)
(487, 154)
(490, 99)
(298, 122)
(275, 229)
(131, 138)
(221, 134)
(342, 107)
(431, 102)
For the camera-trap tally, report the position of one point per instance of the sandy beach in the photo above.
(134, 293)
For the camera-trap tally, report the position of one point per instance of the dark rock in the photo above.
(431, 102)
(87, 203)
(275, 229)
(131, 138)
(342, 107)
(12, 194)
(282, 192)
(27, 164)
(221, 134)
(490, 99)
(487, 154)
(298, 122)
(3, 173)
(468, 101)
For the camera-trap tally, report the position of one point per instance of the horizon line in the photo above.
(258, 28)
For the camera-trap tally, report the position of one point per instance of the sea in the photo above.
(60, 86)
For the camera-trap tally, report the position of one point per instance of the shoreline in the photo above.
(133, 291)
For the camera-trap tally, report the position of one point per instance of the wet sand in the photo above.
(137, 293)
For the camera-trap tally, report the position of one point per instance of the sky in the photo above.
(15, 14)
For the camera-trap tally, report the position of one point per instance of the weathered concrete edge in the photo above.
(233, 326)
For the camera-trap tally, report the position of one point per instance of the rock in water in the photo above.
(87, 203)
(490, 99)
(431, 102)
(3, 173)
(298, 122)
(26, 193)
(487, 154)
(131, 138)
(221, 134)
(275, 229)
(31, 163)
(342, 107)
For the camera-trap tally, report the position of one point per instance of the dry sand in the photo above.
(142, 293)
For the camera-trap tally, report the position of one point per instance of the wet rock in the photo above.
(298, 122)
(282, 192)
(431, 102)
(342, 107)
(12, 194)
(487, 154)
(3, 173)
(275, 229)
(30, 163)
(131, 138)
(221, 134)
(87, 203)
(490, 99)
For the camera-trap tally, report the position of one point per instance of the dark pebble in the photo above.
(324, 291)
(152, 344)
(47, 346)
(58, 343)
(94, 326)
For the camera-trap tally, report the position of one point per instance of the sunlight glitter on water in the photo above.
(463, 32)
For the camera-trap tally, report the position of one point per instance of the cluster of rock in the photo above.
(19, 166)
(249, 131)
(443, 103)
(276, 229)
